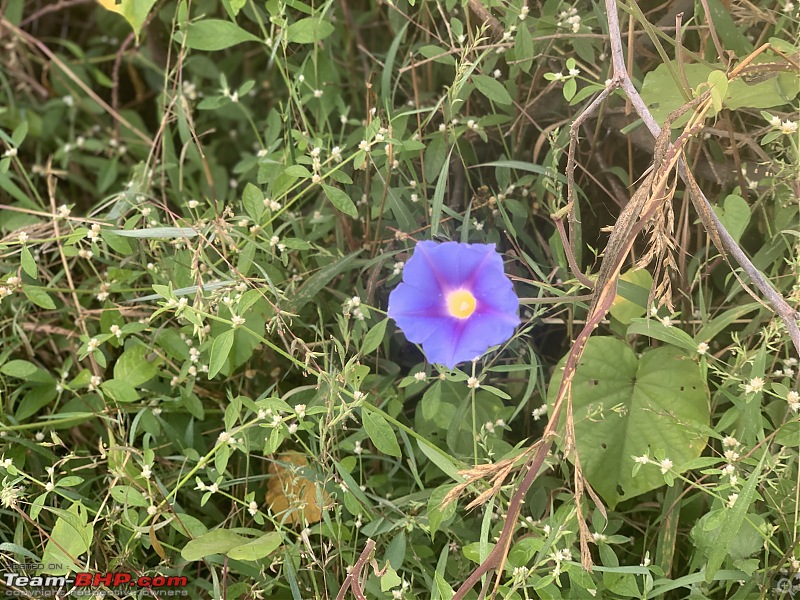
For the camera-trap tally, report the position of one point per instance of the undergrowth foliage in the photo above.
(205, 207)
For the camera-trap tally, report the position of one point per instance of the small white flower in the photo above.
(10, 153)
(213, 488)
(92, 345)
(732, 498)
(253, 508)
(775, 121)
(642, 460)
(472, 124)
(63, 211)
(473, 383)
(398, 266)
(50, 486)
(442, 127)
(558, 76)
(317, 93)
(95, 381)
(224, 437)
(665, 465)
(293, 428)
(300, 410)
(336, 153)
(415, 198)
(523, 13)
(358, 449)
(497, 73)
(729, 441)
(358, 395)
(363, 145)
(146, 472)
(274, 241)
(789, 127)
(702, 348)
(666, 322)
(420, 376)
(152, 510)
(756, 384)
(793, 397)
(355, 301)
(538, 413)
(68, 100)
(115, 330)
(22, 237)
(573, 72)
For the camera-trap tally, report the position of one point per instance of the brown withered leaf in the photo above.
(292, 497)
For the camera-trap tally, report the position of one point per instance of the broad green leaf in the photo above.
(129, 496)
(340, 200)
(119, 391)
(134, 367)
(308, 31)
(253, 200)
(39, 297)
(216, 541)
(134, 11)
(438, 195)
(18, 368)
(492, 89)
(211, 35)
(374, 337)
(626, 406)
(660, 91)
(734, 214)
(71, 536)
(220, 350)
(380, 432)
(632, 293)
(258, 548)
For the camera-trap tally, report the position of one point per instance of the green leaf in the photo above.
(119, 391)
(134, 11)
(340, 200)
(258, 548)
(134, 367)
(374, 337)
(71, 536)
(734, 214)
(253, 200)
(438, 196)
(211, 35)
(308, 31)
(220, 350)
(632, 294)
(626, 406)
(217, 541)
(653, 328)
(492, 89)
(380, 432)
(733, 522)
(39, 297)
(314, 284)
(129, 496)
(166, 233)
(20, 369)
(28, 264)
(718, 85)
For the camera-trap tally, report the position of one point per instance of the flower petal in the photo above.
(455, 264)
(406, 300)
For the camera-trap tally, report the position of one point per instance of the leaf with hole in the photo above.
(625, 406)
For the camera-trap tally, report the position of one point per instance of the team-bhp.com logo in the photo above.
(158, 584)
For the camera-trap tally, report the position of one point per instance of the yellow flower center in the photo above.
(461, 304)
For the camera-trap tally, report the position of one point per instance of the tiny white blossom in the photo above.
(146, 473)
(317, 93)
(642, 460)
(92, 345)
(300, 410)
(358, 395)
(50, 486)
(358, 449)
(665, 465)
(473, 383)
(702, 348)
(293, 428)
(756, 384)
(789, 127)
(574, 72)
(22, 237)
(274, 241)
(363, 145)
(732, 498)
(10, 153)
(420, 376)
(253, 508)
(538, 413)
(523, 13)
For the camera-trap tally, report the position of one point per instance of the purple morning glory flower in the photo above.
(455, 300)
